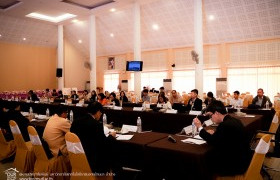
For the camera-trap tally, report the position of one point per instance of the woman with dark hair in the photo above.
(102, 99)
(209, 98)
(54, 93)
(93, 96)
(59, 95)
(163, 102)
(114, 99)
(123, 97)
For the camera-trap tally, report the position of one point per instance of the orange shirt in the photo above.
(103, 101)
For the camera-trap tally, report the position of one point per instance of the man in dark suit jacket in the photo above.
(261, 99)
(96, 145)
(194, 104)
(231, 151)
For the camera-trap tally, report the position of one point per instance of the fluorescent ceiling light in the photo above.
(75, 20)
(155, 27)
(24, 39)
(80, 41)
(113, 10)
(0, 35)
(51, 18)
(112, 35)
(211, 17)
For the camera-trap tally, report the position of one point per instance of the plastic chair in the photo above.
(25, 157)
(44, 166)
(254, 170)
(7, 149)
(79, 160)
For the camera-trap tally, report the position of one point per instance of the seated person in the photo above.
(97, 146)
(161, 90)
(59, 94)
(163, 102)
(113, 98)
(102, 99)
(209, 98)
(54, 93)
(261, 99)
(55, 130)
(194, 104)
(85, 96)
(231, 151)
(123, 97)
(74, 95)
(93, 96)
(143, 90)
(48, 94)
(175, 97)
(107, 95)
(32, 96)
(4, 124)
(236, 101)
(146, 97)
(22, 122)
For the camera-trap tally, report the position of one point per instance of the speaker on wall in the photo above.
(59, 72)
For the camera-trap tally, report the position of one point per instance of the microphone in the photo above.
(171, 139)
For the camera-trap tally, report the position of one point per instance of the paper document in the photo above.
(117, 108)
(198, 137)
(25, 113)
(188, 129)
(193, 141)
(124, 137)
(208, 122)
(249, 115)
(128, 128)
(138, 109)
(195, 113)
(171, 111)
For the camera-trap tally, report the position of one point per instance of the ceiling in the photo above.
(235, 20)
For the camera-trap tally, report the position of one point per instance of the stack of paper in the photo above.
(124, 137)
(193, 141)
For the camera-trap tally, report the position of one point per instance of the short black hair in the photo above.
(216, 106)
(86, 91)
(94, 107)
(145, 90)
(30, 91)
(113, 94)
(161, 88)
(195, 91)
(48, 89)
(102, 95)
(210, 94)
(236, 92)
(61, 109)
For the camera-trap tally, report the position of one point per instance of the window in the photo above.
(183, 81)
(111, 82)
(209, 80)
(250, 79)
(153, 79)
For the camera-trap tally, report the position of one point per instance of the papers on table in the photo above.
(25, 113)
(117, 108)
(79, 104)
(249, 115)
(128, 128)
(193, 141)
(195, 113)
(197, 137)
(40, 116)
(137, 108)
(188, 129)
(124, 137)
(208, 122)
(171, 111)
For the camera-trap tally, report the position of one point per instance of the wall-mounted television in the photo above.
(134, 65)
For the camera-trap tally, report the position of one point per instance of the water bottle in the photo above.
(31, 112)
(48, 112)
(71, 116)
(114, 104)
(267, 105)
(104, 119)
(139, 125)
(144, 105)
(193, 129)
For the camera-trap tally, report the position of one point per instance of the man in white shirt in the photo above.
(236, 101)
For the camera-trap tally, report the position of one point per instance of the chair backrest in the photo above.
(2, 138)
(76, 153)
(37, 144)
(253, 172)
(274, 124)
(19, 141)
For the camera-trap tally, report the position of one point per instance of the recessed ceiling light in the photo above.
(112, 35)
(24, 39)
(50, 18)
(80, 41)
(113, 10)
(211, 17)
(0, 35)
(155, 27)
(75, 20)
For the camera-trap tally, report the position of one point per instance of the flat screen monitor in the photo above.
(134, 65)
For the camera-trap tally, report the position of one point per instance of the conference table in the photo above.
(151, 152)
